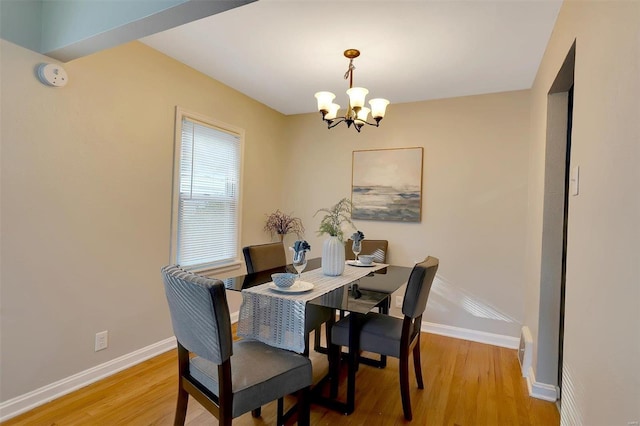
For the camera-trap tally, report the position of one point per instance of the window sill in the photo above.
(215, 272)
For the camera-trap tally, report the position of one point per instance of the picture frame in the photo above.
(386, 184)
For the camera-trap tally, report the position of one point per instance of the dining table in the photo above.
(276, 317)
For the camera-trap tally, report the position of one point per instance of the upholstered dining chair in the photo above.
(227, 378)
(391, 336)
(264, 256)
(377, 248)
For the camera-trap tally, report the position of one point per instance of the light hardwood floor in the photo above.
(465, 383)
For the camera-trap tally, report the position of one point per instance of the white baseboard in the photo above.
(540, 390)
(472, 335)
(30, 400)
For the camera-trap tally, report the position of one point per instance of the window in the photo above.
(206, 207)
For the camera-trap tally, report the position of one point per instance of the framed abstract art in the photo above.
(386, 184)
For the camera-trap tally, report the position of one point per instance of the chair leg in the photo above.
(304, 407)
(181, 408)
(383, 361)
(316, 339)
(257, 412)
(383, 308)
(306, 345)
(280, 412)
(327, 335)
(334, 368)
(417, 365)
(404, 386)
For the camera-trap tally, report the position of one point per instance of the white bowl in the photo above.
(284, 280)
(366, 259)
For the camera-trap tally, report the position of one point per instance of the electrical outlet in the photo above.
(102, 340)
(399, 301)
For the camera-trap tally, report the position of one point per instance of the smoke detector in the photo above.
(52, 75)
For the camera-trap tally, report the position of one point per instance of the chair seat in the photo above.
(380, 333)
(260, 374)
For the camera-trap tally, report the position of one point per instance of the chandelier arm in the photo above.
(333, 123)
(376, 124)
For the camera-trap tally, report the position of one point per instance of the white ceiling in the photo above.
(281, 52)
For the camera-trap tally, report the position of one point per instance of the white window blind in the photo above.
(208, 210)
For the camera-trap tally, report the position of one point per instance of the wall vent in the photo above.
(525, 351)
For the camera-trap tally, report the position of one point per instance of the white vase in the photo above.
(332, 257)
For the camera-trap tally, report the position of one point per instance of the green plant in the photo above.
(334, 218)
(283, 223)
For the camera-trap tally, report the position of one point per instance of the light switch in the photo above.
(574, 180)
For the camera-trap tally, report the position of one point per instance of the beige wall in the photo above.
(86, 202)
(86, 196)
(474, 198)
(601, 380)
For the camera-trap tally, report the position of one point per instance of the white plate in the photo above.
(297, 287)
(359, 264)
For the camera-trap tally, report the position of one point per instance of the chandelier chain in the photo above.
(349, 72)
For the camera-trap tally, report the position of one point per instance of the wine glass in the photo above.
(356, 247)
(300, 261)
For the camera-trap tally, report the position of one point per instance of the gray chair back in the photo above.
(418, 287)
(264, 256)
(199, 313)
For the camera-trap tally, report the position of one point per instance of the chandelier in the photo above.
(357, 114)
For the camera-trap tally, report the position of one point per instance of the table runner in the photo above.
(277, 319)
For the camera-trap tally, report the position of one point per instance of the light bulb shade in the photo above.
(333, 112)
(324, 100)
(378, 107)
(356, 96)
(363, 114)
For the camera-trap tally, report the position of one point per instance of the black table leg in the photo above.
(352, 358)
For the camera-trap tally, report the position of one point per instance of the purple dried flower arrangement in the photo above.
(281, 223)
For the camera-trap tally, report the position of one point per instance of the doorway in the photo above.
(563, 280)
(553, 286)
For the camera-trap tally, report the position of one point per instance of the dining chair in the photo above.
(391, 336)
(264, 256)
(227, 378)
(377, 248)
